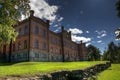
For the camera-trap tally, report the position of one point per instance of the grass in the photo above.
(25, 68)
(113, 73)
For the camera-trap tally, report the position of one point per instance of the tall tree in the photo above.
(10, 13)
(112, 53)
(118, 9)
(117, 32)
(93, 53)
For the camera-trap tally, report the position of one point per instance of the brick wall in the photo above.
(35, 38)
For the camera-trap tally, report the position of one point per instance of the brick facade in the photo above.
(36, 42)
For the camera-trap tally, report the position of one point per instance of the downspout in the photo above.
(29, 40)
(10, 51)
(62, 45)
(48, 24)
(31, 14)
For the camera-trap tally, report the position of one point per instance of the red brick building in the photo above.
(36, 42)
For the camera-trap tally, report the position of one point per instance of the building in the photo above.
(36, 42)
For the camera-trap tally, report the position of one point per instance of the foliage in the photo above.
(93, 53)
(112, 53)
(7, 34)
(10, 13)
(42, 67)
(113, 73)
(117, 32)
(118, 9)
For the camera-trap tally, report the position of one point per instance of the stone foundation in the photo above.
(20, 56)
(35, 56)
(43, 56)
(2, 58)
(38, 56)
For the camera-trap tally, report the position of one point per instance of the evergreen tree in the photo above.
(117, 33)
(112, 53)
(93, 53)
(118, 9)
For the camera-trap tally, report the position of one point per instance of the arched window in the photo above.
(36, 30)
(36, 44)
(26, 29)
(25, 44)
(44, 45)
(20, 32)
(19, 45)
(44, 33)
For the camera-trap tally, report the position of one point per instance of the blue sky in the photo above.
(93, 21)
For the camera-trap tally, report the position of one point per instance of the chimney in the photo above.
(62, 28)
(31, 13)
(48, 22)
(81, 42)
(69, 32)
(70, 35)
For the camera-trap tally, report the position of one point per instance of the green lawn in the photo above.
(113, 73)
(42, 67)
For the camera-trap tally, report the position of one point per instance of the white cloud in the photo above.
(98, 36)
(58, 29)
(60, 19)
(87, 32)
(87, 44)
(56, 25)
(76, 38)
(75, 31)
(100, 41)
(101, 34)
(44, 10)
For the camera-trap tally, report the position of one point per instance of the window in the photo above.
(65, 43)
(36, 55)
(19, 45)
(26, 29)
(44, 33)
(36, 30)
(44, 46)
(25, 44)
(55, 40)
(20, 32)
(51, 39)
(13, 47)
(36, 44)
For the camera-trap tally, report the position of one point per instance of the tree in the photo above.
(117, 32)
(10, 13)
(93, 53)
(6, 34)
(118, 9)
(112, 53)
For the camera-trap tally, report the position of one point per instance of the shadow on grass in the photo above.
(9, 63)
(13, 63)
(6, 64)
(109, 69)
